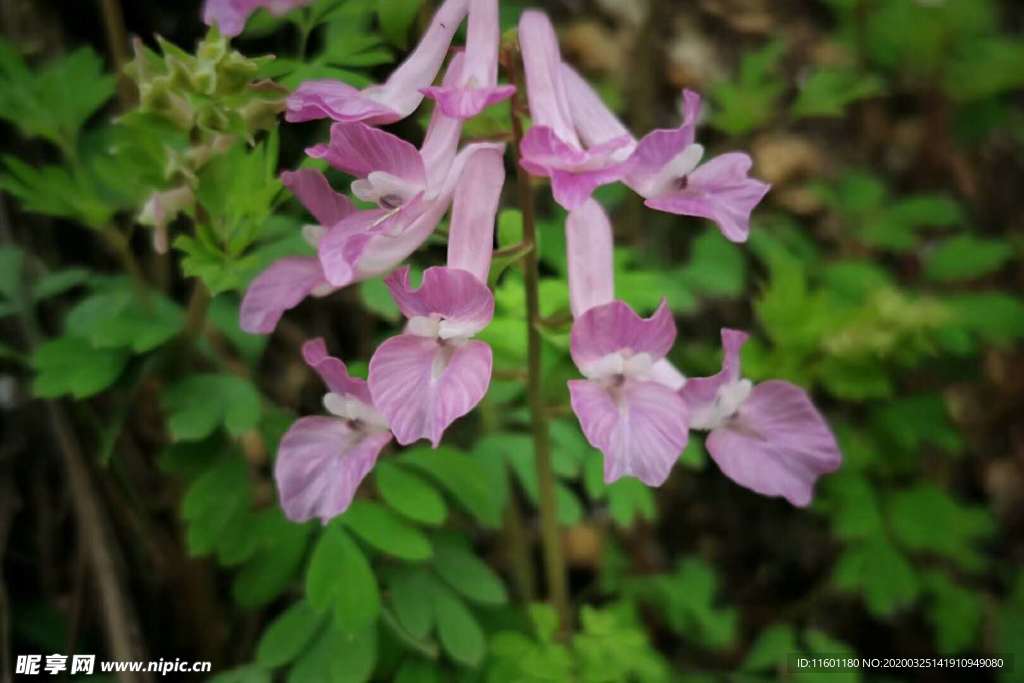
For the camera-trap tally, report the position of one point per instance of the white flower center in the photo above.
(385, 190)
(435, 326)
(359, 415)
(728, 400)
(673, 175)
(621, 365)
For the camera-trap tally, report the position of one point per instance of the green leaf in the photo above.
(396, 18)
(418, 671)
(385, 531)
(881, 573)
(955, 613)
(985, 67)
(769, 651)
(410, 589)
(463, 477)
(966, 257)
(410, 495)
(855, 512)
(199, 403)
(459, 631)
(340, 578)
(995, 317)
(11, 259)
(628, 500)
(70, 365)
(749, 101)
(716, 266)
(286, 636)
(59, 281)
(828, 91)
(272, 568)
(925, 518)
(215, 499)
(338, 656)
(245, 674)
(376, 298)
(467, 573)
(121, 317)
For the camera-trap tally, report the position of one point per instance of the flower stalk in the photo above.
(551, 541)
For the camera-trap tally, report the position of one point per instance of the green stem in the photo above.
(554, 563)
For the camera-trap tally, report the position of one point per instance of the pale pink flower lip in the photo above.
(322, 460)
(635, 421)
(435, 372)
(768, 437)
(477, 87)
(552, 147)
(664, 167)
(230, 15)
(396, 98)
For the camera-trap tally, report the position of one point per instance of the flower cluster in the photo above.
(633, 405)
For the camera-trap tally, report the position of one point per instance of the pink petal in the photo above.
(588, 239)
(422, 386)
(386, 249)
(659, 147)
(640, 427)
(465, 102)
(476, 87)
(455, 295)
(281, 286)
(333, 371)
(344, 247)
(359, 149)
(336, 100)
(778, 444)
(667, 375)
(442, 137)
(230, 15)
(546, 92)
(575, 173)
(316, 194)
(718, 190)
(320, 464)
(471, 235)
(701, 391)
(615, 327)
(396, 98)
(595, 123)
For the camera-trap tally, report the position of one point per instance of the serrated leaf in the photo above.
(954, 611)
(121, 317)
(769, 651)
(410, 495)
(927, 519)
(386, 531)
(827, 91)
(875, 568)
(198, 404)
(966, 257)
(70, 365)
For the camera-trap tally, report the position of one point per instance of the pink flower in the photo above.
(625, 409)
(394, 99)
(322, 460)
(230, 15)
(768, 437)
(665, 168)
(477, 86)
(412, 188)
(551, 147)
(288, 281)
(435, 372)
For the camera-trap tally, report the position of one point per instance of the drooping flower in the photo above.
(665, 167)
(477, 86)
(767, 437)
(230, 15)
(412, 188)
(287, 281)
(552, 147)
(435, 372)
(322, 459)
(626, 406)
(392, 100)
(161, 209)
